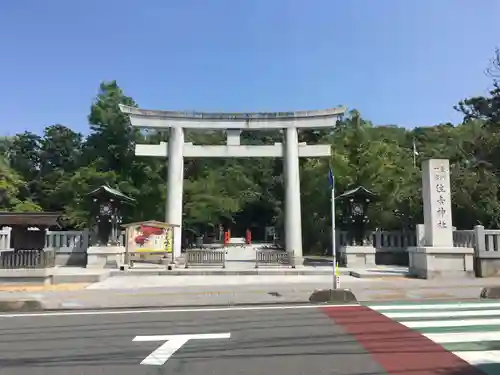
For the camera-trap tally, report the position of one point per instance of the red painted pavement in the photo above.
(398, 349)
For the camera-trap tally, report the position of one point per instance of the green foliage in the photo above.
(26, 206)
(57, 170)
(11, 188)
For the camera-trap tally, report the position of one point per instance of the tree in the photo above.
(73, 192)
(57, 170)
(11, 184)
(112, 139)
(477, 164)
(5, 146)
(60, 154)
(24, 158)
(485, 108)
(109, 151)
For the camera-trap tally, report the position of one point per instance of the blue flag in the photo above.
(330, 177)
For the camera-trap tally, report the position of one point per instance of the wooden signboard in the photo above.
(148, 240)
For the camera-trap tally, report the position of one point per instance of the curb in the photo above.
(381, 275)
(490, 293)
(37, 306)
(156, 307)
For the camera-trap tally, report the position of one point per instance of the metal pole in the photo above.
(334, 251)
(127, 254)
(414, 154)
(170, 232)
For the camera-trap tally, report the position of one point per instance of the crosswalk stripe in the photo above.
(470, 330)
(472, 346)
(437, 306)
(441, 314)
(454, 337)
(450, 323)
(479, 358)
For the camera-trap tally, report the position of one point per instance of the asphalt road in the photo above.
(270, 341)
(288, 340)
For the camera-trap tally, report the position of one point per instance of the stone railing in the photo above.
(401, 240)
(382, 239)
(486, 244)
(10, 259)
(491, 241)
(4, 238)
(389, 246)
(482, 240)
(393, 240)
(70, 246)
(272, 258)
(205, 258)
(464, 238)
(68, 241)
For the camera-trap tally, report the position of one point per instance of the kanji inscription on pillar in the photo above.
(437, 203)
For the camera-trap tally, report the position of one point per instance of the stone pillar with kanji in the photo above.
(436, 256)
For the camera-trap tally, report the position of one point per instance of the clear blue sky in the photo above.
(397, 61)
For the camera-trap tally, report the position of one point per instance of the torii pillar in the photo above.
(233, 123)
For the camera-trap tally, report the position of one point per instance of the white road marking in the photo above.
(173, 343)
(159, 311)
(480, 358)
(441, 314)
(454, 337)
(451, 323)
(448, 306)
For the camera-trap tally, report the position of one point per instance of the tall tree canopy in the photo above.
(54, 171)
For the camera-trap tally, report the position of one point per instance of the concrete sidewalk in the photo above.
(161, 292)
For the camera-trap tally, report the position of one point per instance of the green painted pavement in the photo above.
(465, 328)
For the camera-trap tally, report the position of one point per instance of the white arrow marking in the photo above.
(173, 343)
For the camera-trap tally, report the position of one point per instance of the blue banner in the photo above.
(330, 177)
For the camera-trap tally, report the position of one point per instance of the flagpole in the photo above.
(334, 250)
(415, 153)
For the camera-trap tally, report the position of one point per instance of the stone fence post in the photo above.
(479, 239)
(85, 238)
(378, 239)
(420, 234)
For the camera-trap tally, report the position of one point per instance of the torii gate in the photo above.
(233, 123)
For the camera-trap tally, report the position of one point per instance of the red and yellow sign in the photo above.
(149, 237)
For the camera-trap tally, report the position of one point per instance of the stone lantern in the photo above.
(107, 204)
(354, 205)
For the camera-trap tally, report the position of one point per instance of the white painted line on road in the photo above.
(450, 323)
(173, 343)
(437, 306)
(201, 336)
(158, 311)
(454, 337)
(442, 314)
(480, 357)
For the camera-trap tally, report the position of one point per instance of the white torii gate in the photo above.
(233, 123)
